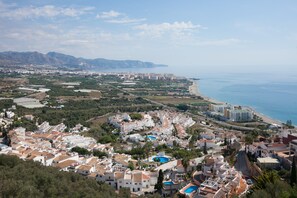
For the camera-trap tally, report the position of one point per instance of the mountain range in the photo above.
(59, 60)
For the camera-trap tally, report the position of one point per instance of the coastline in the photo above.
(194, 90)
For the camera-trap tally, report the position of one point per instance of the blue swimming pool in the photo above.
(168, 183)
(161, 159)
(191, 189)
(151, 137)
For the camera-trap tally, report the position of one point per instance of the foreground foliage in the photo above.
(29, 179)
(270, 185)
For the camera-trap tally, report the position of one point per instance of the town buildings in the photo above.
(232, 113)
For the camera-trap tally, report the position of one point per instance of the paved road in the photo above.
(242, 164)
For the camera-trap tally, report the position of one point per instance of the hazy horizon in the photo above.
(218, 36)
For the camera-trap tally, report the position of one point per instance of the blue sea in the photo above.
(273, 94)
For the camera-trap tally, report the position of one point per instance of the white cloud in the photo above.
(108, 15)
(177, 28)
(117, 17)
(220, 42)
(126, 20)
(44, 11)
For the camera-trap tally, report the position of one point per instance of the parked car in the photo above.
(249, 182)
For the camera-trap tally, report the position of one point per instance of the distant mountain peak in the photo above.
(61, 60)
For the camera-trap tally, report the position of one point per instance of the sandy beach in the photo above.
(194, 90)
(266, 118)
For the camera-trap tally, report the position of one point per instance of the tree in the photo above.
(276, 189)
(159, 184)
(248, 139)
(185, 163)
(174, 131)
(131, 166)
(99, 154)
(289, 122)
(263, 180)
(191, 142)
(80, 151)
(205, 148)
(44, 181)
(124, 193)
(293, 179)
(135, 116)
(175, 144)
(182, 107)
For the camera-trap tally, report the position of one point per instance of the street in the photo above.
(242, 163)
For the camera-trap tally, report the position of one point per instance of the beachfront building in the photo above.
(219, 108)
(239, 115)
(233, 113)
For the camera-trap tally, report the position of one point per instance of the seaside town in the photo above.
(147, 142)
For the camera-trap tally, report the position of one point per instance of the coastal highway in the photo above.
(224, 124)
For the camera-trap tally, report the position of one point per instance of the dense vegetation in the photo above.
(83, 151)
(6, 103)
(27, 124)
(103, 133)
(29, 179)
(135, 116)
(80, 151)
(270, 185)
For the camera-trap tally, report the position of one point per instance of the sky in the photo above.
(221, 35)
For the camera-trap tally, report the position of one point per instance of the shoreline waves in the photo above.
(194, 90)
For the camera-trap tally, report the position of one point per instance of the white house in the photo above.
(209, 143)
(85, 169)
(136, 181)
